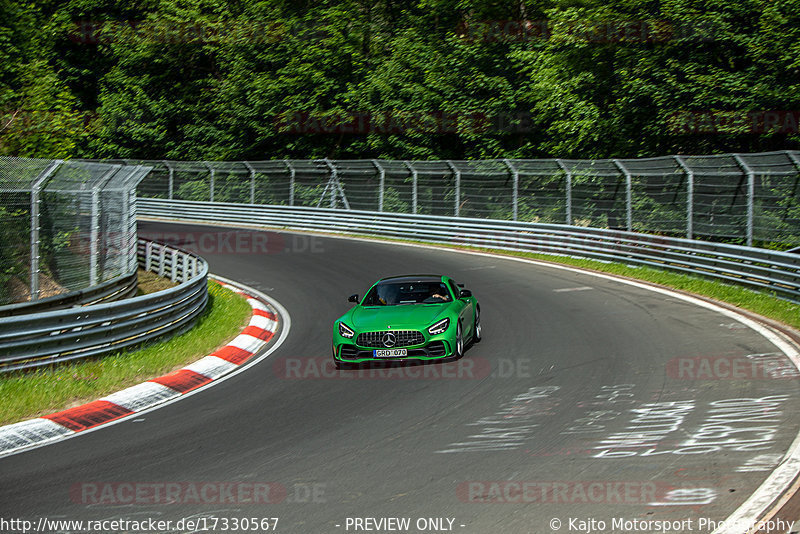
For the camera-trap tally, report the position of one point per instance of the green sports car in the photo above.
(411, 317)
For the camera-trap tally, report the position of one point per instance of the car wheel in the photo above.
(476, 337)
(459, 352)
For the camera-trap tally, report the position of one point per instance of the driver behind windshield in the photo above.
(416, 293)
(437, 295)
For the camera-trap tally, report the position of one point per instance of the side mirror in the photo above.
(464, 293)
(353, 298)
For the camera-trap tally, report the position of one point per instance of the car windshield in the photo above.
(395, 293)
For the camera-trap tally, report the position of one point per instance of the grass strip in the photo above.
(27, 394)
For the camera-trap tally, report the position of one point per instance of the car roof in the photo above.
(412, 278)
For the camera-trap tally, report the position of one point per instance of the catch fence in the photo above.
(749, 199)
(66, 226)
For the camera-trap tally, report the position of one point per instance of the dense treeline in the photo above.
(396, 79)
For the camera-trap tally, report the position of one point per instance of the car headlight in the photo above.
(346, 331)
(439, 327)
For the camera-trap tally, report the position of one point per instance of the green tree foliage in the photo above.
(399, 79)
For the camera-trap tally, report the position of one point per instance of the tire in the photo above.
(458, 352)
(476, 334)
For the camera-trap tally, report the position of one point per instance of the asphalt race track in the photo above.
(587, 400)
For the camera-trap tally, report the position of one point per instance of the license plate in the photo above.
(390, 353)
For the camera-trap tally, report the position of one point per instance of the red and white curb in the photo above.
(49, 428)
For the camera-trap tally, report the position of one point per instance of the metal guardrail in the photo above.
(39, 339)
(756, 268)
(122, 287)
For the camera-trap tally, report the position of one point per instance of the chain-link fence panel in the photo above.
(658, 195)
(486, 189)
(362, 182)
(273, 182)
(599, 194)
(720, 199)
(436, 188)
(543, 188)
(400, 186)
(20, 201)
(776, 196)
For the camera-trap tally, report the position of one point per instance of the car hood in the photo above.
(411, 316)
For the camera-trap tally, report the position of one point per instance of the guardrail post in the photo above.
(185, 272)
(567, 191)
(292, 174)
(171, 183)
(457, 177)
(751, 193)
(148, 256)
(628, 194)
(515, 192)
(382, 176)
(414, 186)
(36, 191)
(162, 253)
(689, 196)
(174, 265)
(252, 182)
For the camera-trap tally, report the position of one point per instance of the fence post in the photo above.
(689, 196)
(751, 193)
(292, 173)
(252, 182)
(133, 245)
(568, 190)
(171, 185)
(515, 192)
(414, 186)
(210, 181)
(94, 226)
(382, 175)
(457, 177)
(628, 194)
(794, 159)
(36, 190)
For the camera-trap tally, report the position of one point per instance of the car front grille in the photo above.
(403, 338)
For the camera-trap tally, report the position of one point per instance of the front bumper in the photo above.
(437, 349)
